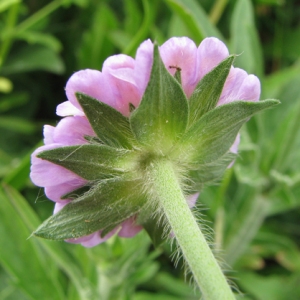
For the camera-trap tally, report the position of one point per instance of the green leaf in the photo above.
(285, 199)
(244, 224)
(162, 115)
(120, 38)
(282, 154)
(5, 4)
(143, 29)
(271, 2)
(106, 206)
(274, 83)
(32, 58)
(13, 100)
(17, 176)
(211, 137)
(175, 286)
(111, 127)
(15, 207)
(195, 19)
(207, 92)
(133, 16)
(154, 296)
(95, 45)
(35, 37)
(21, 258)
(17, 124)
(91, 162)
(274, 286)
(245, 39)
(274, 241)
(177, 27)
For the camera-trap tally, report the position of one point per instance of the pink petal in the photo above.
(120, 66)
(92, 83)
(119, 71)
(68, 109)
(55, 192)
(82, 239)
(129, 228)
(192, 199)
(235, 145)
(232, 85)
(181, 53)
(97, 239)
(44, 173)
(240, 86)
(210, 53)
(234, 149)
(72, 131)
(250, 89)
(48, 134)
(60, 206)
(143, 65)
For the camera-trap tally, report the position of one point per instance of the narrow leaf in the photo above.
(111, 127)
(108, 205)
(195, 18)
(33, 58)
(162, 116)
(245, 38)
(208, 90)
(17, 177)
(91, 162)
(45, 251)
(212, 136)
(5, 4)
(21, 258)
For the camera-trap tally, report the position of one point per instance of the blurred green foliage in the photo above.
(255, 211)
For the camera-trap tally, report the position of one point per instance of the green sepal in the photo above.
(76, 193)
(210, 173)
(93, 139)
(162, 115)
(106, 206)
(207, 92)
(91, 162)
(154, 226)
(131, 107)
(177, 75)
(212, 136)
(111, 127)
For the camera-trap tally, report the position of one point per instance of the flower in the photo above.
(122, 83)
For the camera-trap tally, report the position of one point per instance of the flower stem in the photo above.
(191, 240)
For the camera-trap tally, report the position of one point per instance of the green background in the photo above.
(254, 211)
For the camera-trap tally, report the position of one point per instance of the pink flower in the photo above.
(123, 80)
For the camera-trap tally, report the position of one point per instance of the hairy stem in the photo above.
(191, 240)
